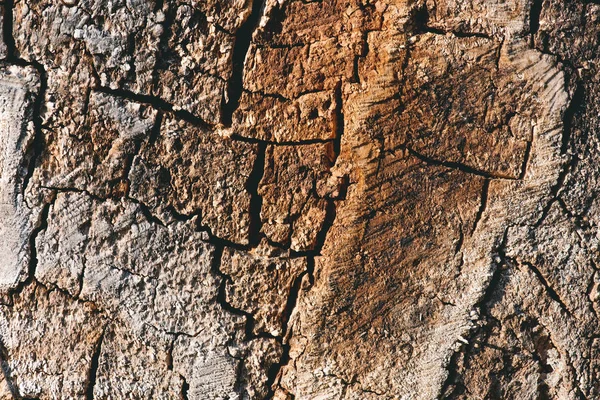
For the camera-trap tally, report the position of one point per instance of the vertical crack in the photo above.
(484, 197)
(7, 31)
(235, 86)
(525, 160)
(551, 292)
(222, 293)
(256, 201)
(274, 372)
(33, 260)
(37, 145)
(451, 385)
(38, 104)
(93, 371)
(185, 387)
(534, 17)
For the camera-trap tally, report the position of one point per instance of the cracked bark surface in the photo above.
(289, 199)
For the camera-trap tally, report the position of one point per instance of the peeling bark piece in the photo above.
(291, 72)
(121, 39)
(198, 94)
(196, 45)
(260, 285)
(454, 111)
(411, 251)
(209, 373)
(310, 117)
(228, 15)
(153, 274)
(18, 87)
(96, 157)
(208, 177)
(61, 246)
(569, 30)
(260, 356)
(480, 16)
(195, 64)
(529, 354)
(292, 188)
(135, 364)
(48, 355)
(289, 23)
(127, 47)
(569, 283)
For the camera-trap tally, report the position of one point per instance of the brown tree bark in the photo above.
(330, 199)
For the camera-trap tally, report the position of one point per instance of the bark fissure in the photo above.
(243, 38)
(484, 199)
(252, 184)
(457, 166)
(94, 364)
(499, 265)
(551, 292)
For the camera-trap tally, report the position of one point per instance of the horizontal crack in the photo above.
(458, 166)
(158, 103)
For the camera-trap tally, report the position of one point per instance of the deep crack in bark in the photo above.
(243, 38)
(93, 371)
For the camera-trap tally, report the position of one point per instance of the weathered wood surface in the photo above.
(334, 199)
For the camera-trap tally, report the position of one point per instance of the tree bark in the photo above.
(330, 199)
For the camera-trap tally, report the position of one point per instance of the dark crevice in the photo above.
(185, 387)
(330, 215)
(456, 165)
(338, 121)
(306, 142)
(484, 198)
(169, 357)
(452, 384)
(588, 293)
(525, 161)
(235, 86)
(275, 369)
(252, 185)
(220, 242)
(7, 31)
(157, 103)
(364, 50)
(37, 146)
(33, 261)
(534, 17)
(222, 293)
(551, 292)
(93, 371)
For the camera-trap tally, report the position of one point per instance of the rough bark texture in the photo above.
(332, 199)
